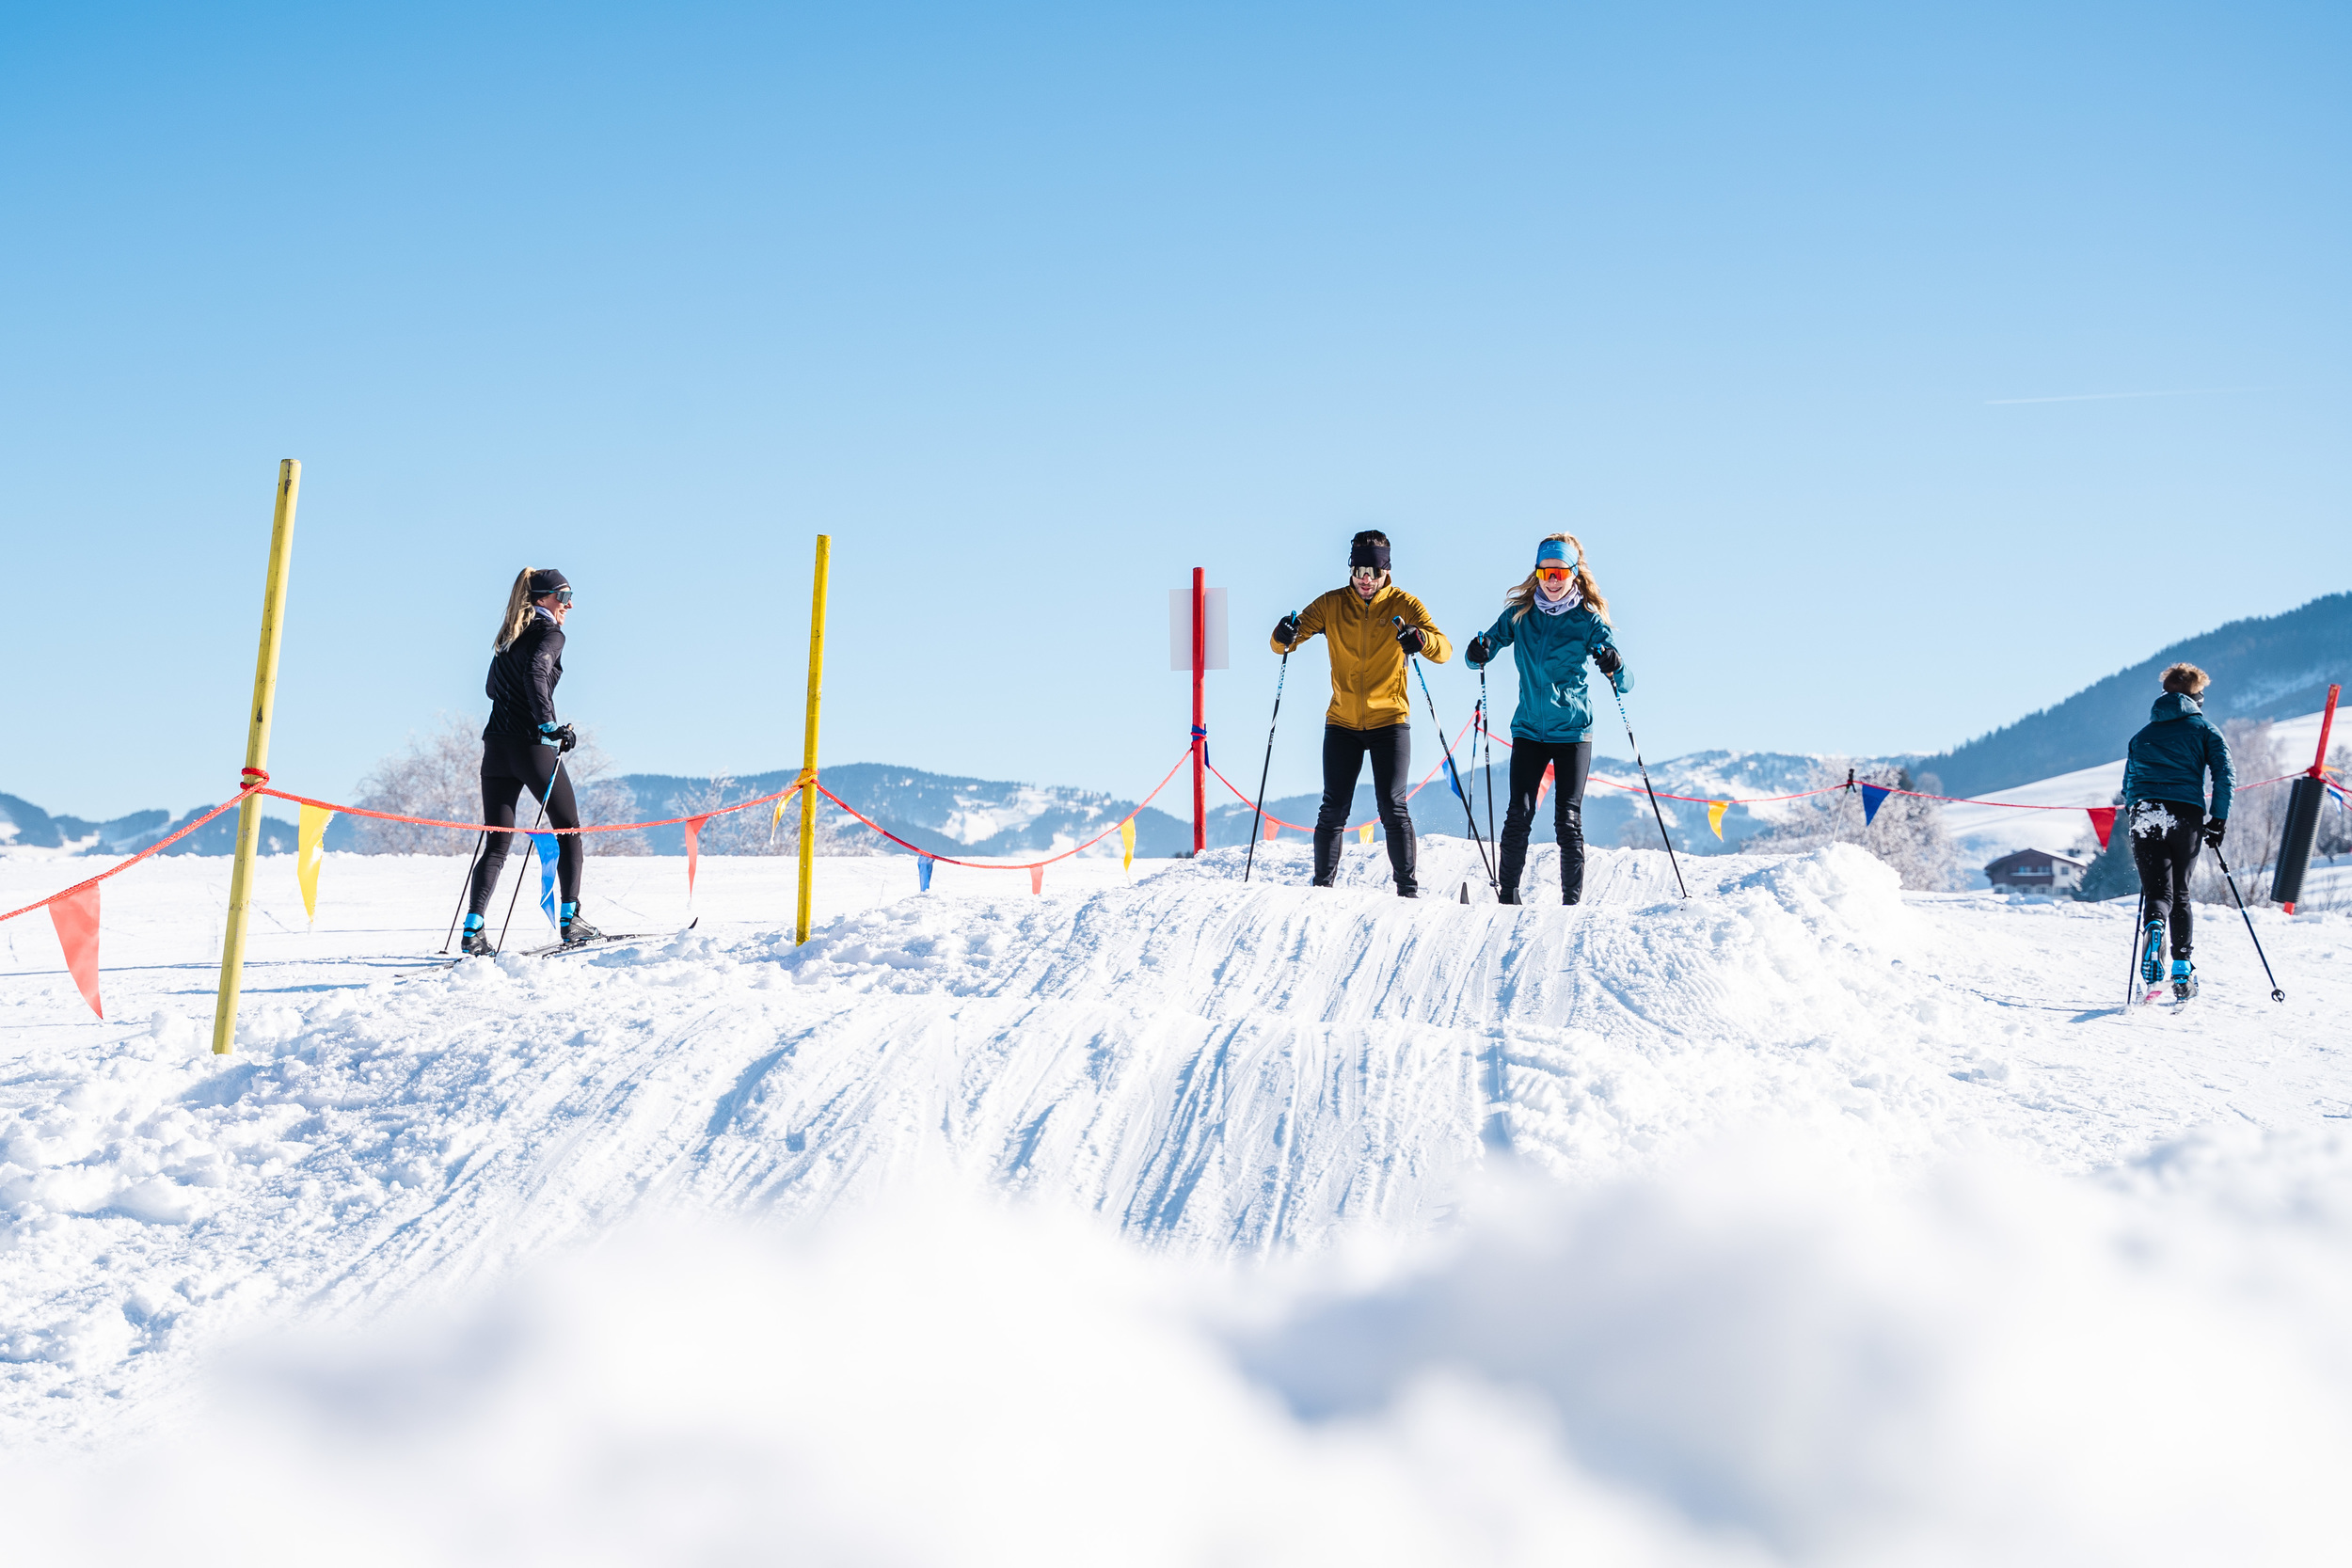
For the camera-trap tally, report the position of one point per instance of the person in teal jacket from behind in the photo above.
(2164, 790)
(1554, 622)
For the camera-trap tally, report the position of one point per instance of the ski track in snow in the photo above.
(1221, 1069)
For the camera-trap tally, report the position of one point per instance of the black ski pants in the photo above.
(1572, 764)
(1344, 753)
(2166, 836)
(517, 768)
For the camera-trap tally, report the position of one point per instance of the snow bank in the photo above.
(1750, 1360)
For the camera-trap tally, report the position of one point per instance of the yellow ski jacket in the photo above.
(1367, 666)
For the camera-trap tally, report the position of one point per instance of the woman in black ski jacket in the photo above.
(523, 747)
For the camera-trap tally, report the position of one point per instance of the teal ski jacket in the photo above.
(2168, 759)
(1551, 651)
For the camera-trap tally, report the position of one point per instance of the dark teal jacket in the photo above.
(2168, 760)
(1552, 651)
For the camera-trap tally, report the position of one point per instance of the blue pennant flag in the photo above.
(546, 843)
(1456, 780)
(923, 864)
(1873, 797)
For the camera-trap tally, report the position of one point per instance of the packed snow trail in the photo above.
(1218, 1068)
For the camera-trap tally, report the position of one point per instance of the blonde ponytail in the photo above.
(518, 614)
(1524, 596)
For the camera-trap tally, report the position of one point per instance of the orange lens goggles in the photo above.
(1554, 574)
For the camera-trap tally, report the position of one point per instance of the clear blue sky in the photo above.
(1035, 308)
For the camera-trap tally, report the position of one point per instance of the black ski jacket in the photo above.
(522, 680)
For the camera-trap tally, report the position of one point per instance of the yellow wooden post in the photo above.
(809, 739)
(256, 756)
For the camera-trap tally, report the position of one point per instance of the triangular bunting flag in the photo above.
(1454, 779)
(1363, 834)
(546, 845)
(1873, 797)
(923, 864)
(76, 917)
(776, 821)
(1544, 788)
(694, 851)
(2102, 822)
(1715, 810)
(309, 849)
(1272, 827)
(1127, 842)
(1037, 878)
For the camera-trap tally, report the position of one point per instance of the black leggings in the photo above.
(1344, 753)
(1572, 764)
(2166, 836)
(513, 767)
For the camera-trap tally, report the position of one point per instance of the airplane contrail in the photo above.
(2110, 397)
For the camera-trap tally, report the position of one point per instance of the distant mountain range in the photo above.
(2271, 667)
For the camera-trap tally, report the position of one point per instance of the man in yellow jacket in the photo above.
(1370, 714)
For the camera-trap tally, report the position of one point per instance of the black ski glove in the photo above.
(1410, 638)
(1286, 631)
(2215, 829)
(1477, 651)
(1606, 656)
(558, 735)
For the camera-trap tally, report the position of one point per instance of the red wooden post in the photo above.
(2327, 723)
(1199, 725)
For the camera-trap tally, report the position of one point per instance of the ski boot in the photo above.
(576, 931)
(2183, 979)
(476, 941)
(2151, 976)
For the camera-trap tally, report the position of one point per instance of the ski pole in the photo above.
(463, 888)
(2276, 994)
(2139, 926)
(1655, 810)
(1453, 772)
(1488, 736)
(1257, 822)
(553, 775)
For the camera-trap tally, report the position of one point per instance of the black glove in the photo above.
(1477, 651)
(1606, 656)
(558, 735)
(1286, 631)
(2215, 829)
(1410, 638)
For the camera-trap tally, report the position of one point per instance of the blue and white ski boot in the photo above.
(2183, 979)
(2152, 977)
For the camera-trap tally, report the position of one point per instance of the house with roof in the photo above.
(2036, 871)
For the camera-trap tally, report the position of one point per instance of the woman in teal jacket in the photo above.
(2164, 786)
(1554, 622)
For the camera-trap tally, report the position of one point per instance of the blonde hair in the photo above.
(1524, 596)
(2187, 679)
(518, 614)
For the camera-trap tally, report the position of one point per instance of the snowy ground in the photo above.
(1803, 1222)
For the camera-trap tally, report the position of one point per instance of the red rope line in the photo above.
(1027, 865)
(493, 828)
(117, 870)
(1300, 828)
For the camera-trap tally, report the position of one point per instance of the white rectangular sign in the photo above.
(1180, 628)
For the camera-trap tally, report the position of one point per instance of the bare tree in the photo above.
(2257, 818)
(439, 775)
(1907, 834)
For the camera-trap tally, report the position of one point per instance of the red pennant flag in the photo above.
(1272, 827)
(76, 917)
(1545, 787)
(694, 851)
(1037, 878)
(2102, 822)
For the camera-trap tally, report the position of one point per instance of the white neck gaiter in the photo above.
(1562, 605)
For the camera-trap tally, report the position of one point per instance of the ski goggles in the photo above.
(563, 596)
(1556, 574)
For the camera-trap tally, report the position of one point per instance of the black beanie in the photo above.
(547, 580)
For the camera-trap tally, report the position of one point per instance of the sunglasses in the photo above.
(1556, 574)
(1365, 572)
(563, 596)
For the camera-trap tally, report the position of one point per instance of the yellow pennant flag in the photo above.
(309, 851)
(776, 821)
(1127, 842)
(1364, 834)
(1715, 810)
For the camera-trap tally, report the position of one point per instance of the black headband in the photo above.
(1374, 556)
